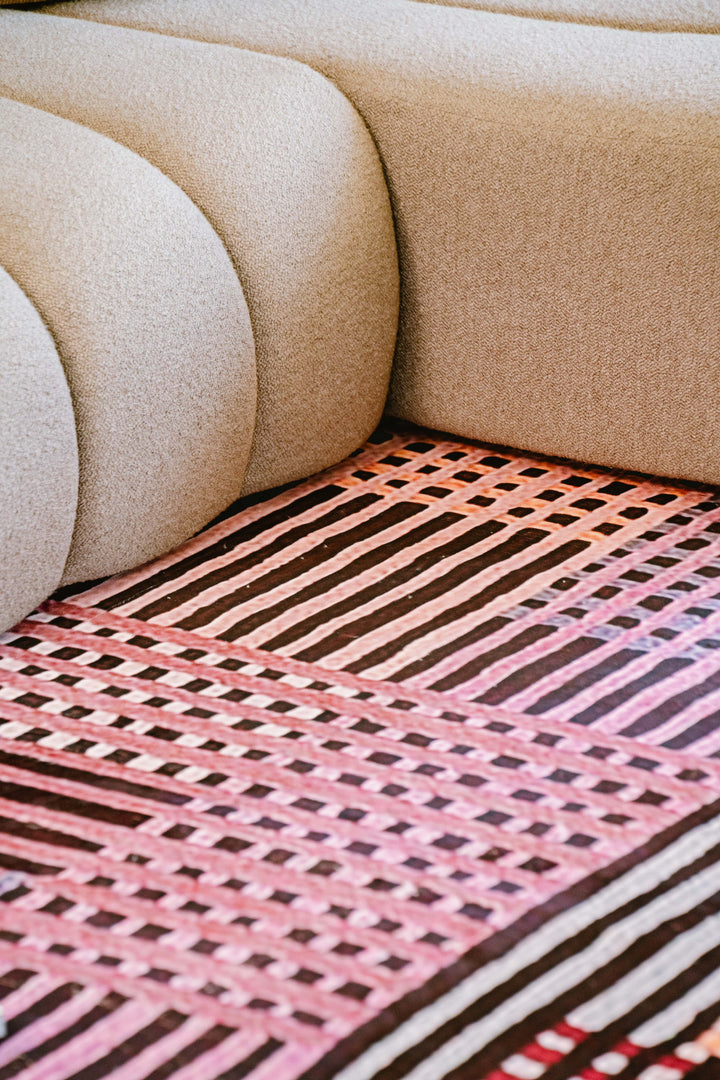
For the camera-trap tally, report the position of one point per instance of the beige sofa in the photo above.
(552, 168)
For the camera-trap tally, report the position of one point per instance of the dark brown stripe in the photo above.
(475, 603)
(519, 1035)
(358, 566)
(491, 626)
(601, 1042)
(395, 609)
(12, 980)
(703, 727)
(322, 552)
(659, 714)
(82, 776)
(42, 1007)
(508, 648)
(208, 1041)
(244, 1068)
(166, 1023)
(524, 677)
(243, 535)
(81, 807)
(501, 943)
(581, 682)
(100, 1012)
(26, 866)
(606, 704)
(45, 836)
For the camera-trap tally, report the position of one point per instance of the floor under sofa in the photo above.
(408, 770)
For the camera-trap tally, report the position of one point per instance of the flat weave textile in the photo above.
(409, 771)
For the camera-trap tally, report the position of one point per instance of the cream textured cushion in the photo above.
(38, 465)
(555, 190)
(285, 170)
(150, 324)
(700, 16)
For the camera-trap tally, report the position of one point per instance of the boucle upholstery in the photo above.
(284, 169)
(555, 190)
(150, 323)
(38, 465)
(699, 16)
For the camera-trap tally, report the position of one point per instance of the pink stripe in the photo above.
(307, 543)
(392, 848)
(243, 983)
(286, 1064)
(342, 475)
(145, 991)
(121, 842)
(583, 588)
(179, 888)
(348, 709)
(411, 492)
(39, 1031)
(653, 696)
(142, 1064)
(430, 699)
(289, 784)
(452, 502)
(31, 991)
(363, 745)
(630, 671)
(535, 754)
(600, 616)
(240, 1045)
(352, 487)
(139, 912)
(93, 1044)
(223, 622)
(365, 867)
(698, 710)
(557, 535)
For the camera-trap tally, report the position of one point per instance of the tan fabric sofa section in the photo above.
(555, 190)
(286, 172)
(698, 16)
(38, 466)
(150, 324)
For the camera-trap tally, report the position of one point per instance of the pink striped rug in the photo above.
(406, 772)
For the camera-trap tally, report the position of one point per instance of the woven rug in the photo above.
(410, 771)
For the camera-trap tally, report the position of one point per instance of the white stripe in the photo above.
(640, 879)
(576, 969)
(650, 975)
(679, 1014)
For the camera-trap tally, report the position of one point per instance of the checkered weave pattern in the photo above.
(407, 771)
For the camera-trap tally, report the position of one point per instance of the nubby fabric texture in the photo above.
(38, 467)
(690, 16)
(285, 171)
(555, 190)
(406, 771)
(150, 324)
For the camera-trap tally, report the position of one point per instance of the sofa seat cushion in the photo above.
(286, 172)
(555, 190)
(150, 324)
(38, 465)
(693, 16)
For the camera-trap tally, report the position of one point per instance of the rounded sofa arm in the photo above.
(39, 462)
(151, 327)
(283, 168)
(555, 190)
